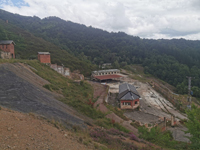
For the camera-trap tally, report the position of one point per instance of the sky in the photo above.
(154, 19)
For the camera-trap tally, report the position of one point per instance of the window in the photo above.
(136, 102)
(6, 46)
(126, 103)
(3, 46)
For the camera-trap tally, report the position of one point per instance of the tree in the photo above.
(193, 125)
(116, 64)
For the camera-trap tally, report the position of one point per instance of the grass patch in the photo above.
(108, 124)
(135, 124)
(163, 139)
(117, 111)
(74, 94)
(115, 139)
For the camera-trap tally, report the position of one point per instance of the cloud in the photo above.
(144, 18)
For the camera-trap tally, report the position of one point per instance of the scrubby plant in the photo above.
(117, 111)
(164, 139)
(133, 137)
(113, 131)
(107, 123)
(113, 143)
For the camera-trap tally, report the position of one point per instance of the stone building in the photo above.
(44, 57)
(7, 49)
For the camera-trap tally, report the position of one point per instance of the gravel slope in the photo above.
(21, 90)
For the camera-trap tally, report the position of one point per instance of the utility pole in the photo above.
(189, 92)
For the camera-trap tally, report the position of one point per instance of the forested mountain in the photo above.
(169, 60)
(27, 46)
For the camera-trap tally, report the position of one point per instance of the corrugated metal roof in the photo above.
(44, 53)
(105, 77)
(7, 42)
(127, 92)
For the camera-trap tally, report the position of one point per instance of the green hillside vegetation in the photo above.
(27, 46)
(76, 95)
(169, 60)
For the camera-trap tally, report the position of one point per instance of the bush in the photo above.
(133, 137)
(164, 139)
(117, 111)
(108, 124)
(113, 143)
(135, 124)
(113, 131)
(51, 87)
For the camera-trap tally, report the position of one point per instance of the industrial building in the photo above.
(7, 49)
(128, 96)
(110, 74)
(44, 57)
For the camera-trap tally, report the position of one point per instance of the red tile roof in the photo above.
(105, 77)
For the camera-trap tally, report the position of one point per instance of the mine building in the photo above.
(110, 74)
(44, 57)
(128, 96)
(61, 69)
(7, 49)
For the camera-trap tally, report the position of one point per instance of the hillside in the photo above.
(22, 90)
(37, 91)
(29, 131)
(27, 46)
(169, 60)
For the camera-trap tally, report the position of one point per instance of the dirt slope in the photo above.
(19, 131)
(21, 90)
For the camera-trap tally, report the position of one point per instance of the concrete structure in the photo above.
(44, 57)
(7, 49)
(128, 96)
(106, 65)
(105, 74)
(75, 75)
(60, 69)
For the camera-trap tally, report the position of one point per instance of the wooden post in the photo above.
(165, 123)
(172, 120)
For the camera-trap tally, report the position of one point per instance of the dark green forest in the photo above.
(27, 46)
(170, 60)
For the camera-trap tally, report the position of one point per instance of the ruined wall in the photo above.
(60, 69)
(77, 76)
(5, 55)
